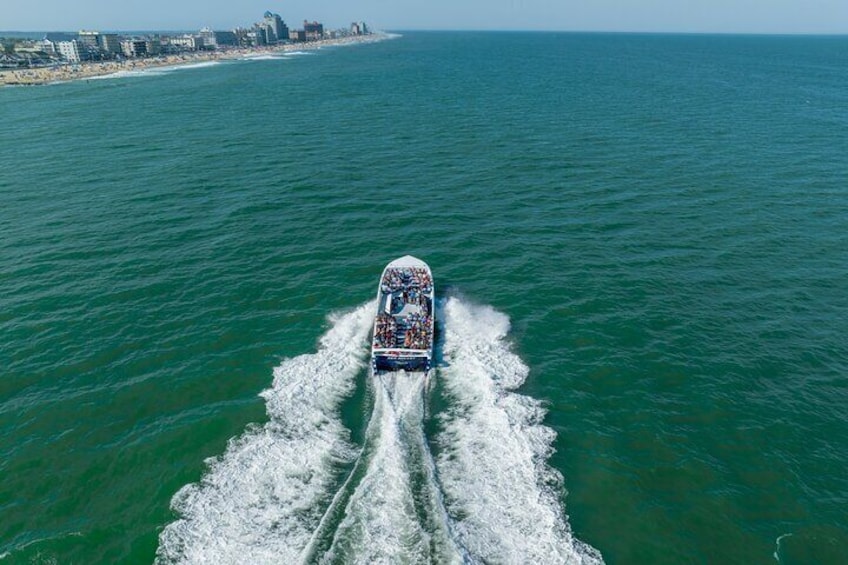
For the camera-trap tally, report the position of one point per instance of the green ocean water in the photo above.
(645, 236)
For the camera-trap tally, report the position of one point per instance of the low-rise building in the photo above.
(29, 47)
(9, 62)
(51, 41)
(153, 46)
(70, 50)
(188, 42)
(214, 39)
(134, 47)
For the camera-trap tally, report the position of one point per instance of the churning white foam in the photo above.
(262, 57)
(381, 511)
(395, 515)
(153, 71)
(488, 497)
(182, 67)
(494, 449)
(261, 501)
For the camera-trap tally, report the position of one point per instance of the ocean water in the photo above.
(640, 248)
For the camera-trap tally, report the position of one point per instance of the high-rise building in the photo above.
(314, 30)
(277, 28)
(358, 28)
(258, 35)
(89, 38)
(110, 43)
(209, 39)
(242, 36)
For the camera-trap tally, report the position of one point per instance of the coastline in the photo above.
(82, 71)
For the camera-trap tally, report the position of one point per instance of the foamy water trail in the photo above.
(395, 515)
(261, 501)
(492, 463)
(489, 496)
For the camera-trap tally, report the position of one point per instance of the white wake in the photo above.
(488, 497)
(494, 449)
(261, 501)
(396, 514)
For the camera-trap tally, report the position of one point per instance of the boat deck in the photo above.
(403, 328)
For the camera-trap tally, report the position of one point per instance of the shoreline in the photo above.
(81, 71)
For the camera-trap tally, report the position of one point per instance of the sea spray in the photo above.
(261, 500)
(494, 449)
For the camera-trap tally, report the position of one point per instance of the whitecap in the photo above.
(776, 553)
(262, 57)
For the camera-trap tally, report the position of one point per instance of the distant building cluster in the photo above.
(85, 46)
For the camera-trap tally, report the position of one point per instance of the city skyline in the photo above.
(717, 16)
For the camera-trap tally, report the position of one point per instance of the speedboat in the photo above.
(403, 328)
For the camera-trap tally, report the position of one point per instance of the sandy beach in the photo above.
(80, 71)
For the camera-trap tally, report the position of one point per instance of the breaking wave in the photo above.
(262, 57)
(153, 71)
(297, 490)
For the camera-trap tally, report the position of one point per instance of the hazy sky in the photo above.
(747, 16)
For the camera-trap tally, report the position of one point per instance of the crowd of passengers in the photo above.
(417, 331)
(385, 331)
(407, 277)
